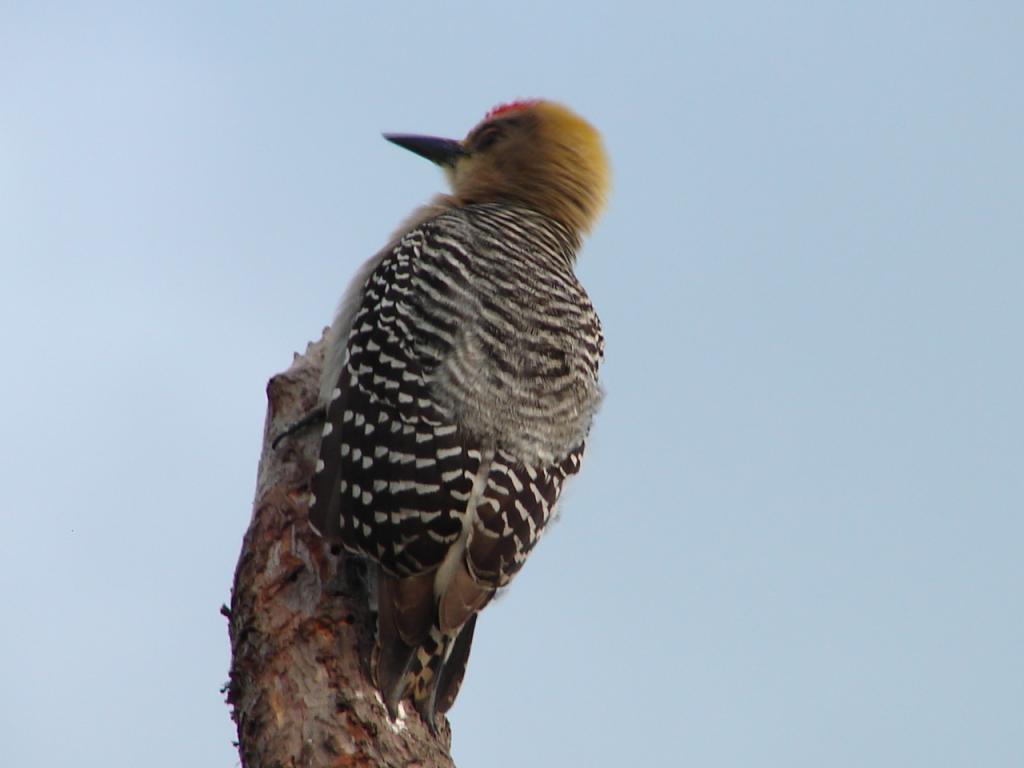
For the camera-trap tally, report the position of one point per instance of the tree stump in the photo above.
(300, 624)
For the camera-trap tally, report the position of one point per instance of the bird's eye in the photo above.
(487, 137)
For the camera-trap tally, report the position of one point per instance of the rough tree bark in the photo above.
(301, 630)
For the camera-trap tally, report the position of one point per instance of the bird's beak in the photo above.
(440, 151)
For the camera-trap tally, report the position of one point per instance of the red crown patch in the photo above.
(510, 106)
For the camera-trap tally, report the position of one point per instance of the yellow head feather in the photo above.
(539, 154)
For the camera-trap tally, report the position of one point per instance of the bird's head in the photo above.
(536, 153)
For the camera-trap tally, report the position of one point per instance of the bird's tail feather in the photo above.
(413, 655)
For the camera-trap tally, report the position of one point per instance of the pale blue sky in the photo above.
(797, 538)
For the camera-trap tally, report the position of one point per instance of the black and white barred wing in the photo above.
(394, 477)
(517, 505)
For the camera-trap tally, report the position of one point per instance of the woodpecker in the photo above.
(460, 383)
